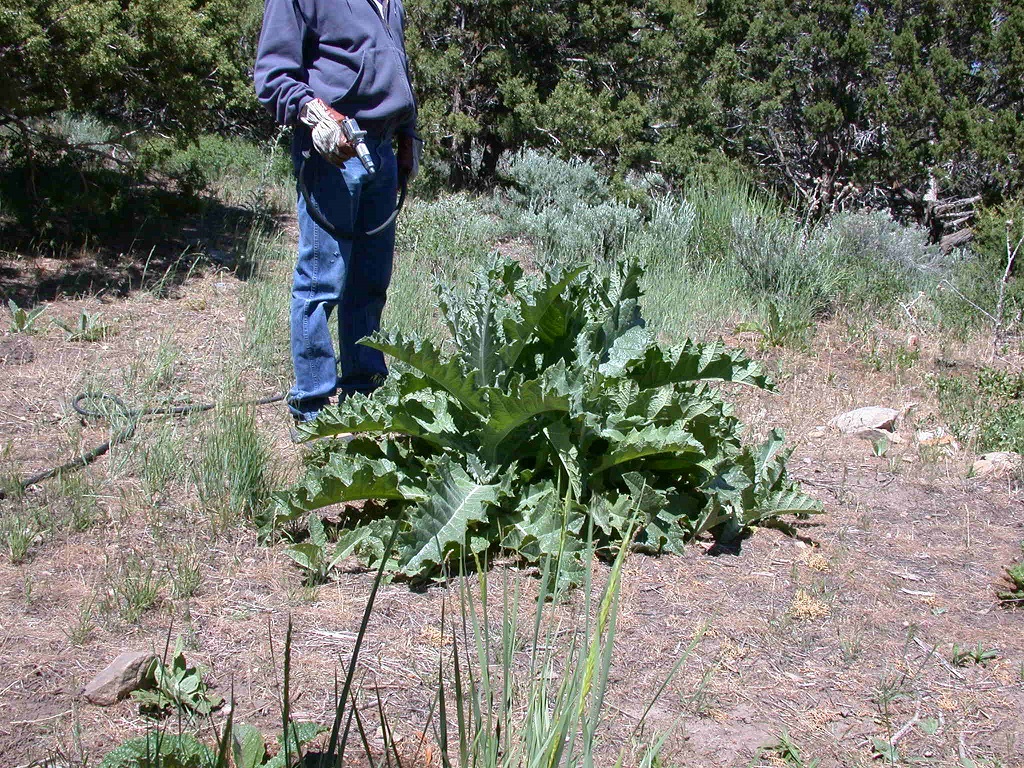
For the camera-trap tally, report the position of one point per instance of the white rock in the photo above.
(872, 417)
(996, 464)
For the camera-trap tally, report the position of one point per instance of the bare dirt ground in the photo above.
(840, 636)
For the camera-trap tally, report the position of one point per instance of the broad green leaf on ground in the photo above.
(347, 477)
(159, 748)
(247, 746)
(439, 524)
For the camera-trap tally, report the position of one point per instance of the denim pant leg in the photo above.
(330, 272)
(369, 273)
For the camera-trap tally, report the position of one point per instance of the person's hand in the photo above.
(409, 150)
(328, 137)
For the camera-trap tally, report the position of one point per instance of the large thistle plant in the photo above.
(555, 416)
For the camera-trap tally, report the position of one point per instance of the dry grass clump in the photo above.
(808, 607)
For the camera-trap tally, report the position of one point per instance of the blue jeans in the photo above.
(347, 275)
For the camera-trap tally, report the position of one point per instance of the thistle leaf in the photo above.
(348, 476)
(438, 525)
(696, 361)
(649, 442)
(446, 374)
(509, 410)
(424, 414)
(540, 314)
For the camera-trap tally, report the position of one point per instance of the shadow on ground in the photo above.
(67, 232)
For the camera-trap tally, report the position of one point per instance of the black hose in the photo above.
(131, 414)
(315, 215)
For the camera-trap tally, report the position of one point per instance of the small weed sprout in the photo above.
(1015, 594)
(177, 687)
(233, 475)
(976, 655)
(808, 607)
(312, 556)
(87, 328)
(186, 570)
(23, 320)
(786, 750)
(134, 587)
(162, 461)
(20, 530)
(83, 625)
(80, 496)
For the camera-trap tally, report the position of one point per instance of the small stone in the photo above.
(934, 437)
(870, 418)
(873, 435)
(126, 673)
(996, 464)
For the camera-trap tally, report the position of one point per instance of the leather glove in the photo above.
(328, 137)
(410, 148)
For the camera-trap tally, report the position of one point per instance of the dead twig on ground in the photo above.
(931, 652)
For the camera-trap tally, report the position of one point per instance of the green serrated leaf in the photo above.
(648, 442)
(791, 502)
(447, 374)
(697, 361)
(438, 525)
(626, 350)
(611, 513)
(542, 524)
(348, 477)
(397, 408)
(367, 540)
(518, 405)
(540, 314)
(568, 454)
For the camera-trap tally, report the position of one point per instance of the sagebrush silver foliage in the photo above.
(874, 237)
(540, 180)
(566, 209)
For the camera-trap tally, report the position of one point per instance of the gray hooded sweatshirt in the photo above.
(345, 52)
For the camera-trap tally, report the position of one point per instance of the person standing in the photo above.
(318, 62)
